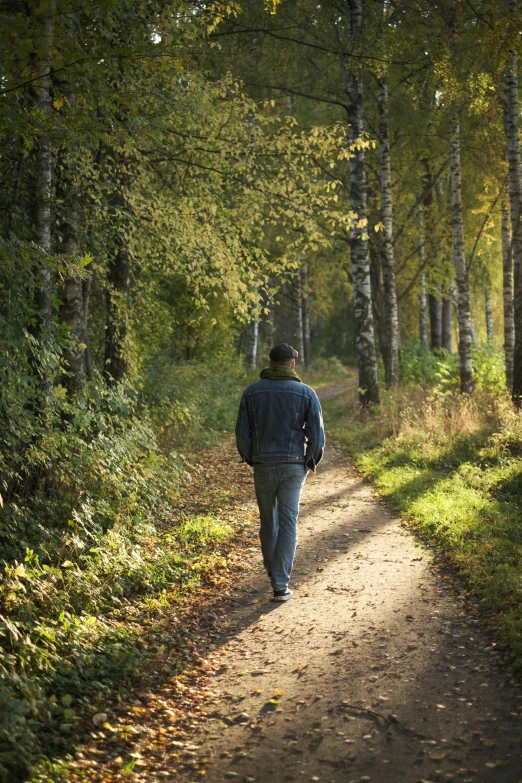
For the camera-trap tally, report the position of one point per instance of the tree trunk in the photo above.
(391, 310)
(306, 315)
(423, 298)
(489, 315)
(515, 198)
(459, 259)
(72, 309)
(507, 290)
(435, 311)
(43, 175)
(376, 281)
(457, 224)
(447, 324)
(423, 314)
(253, 342)
(362, 294)
(270, 324)
(118, 279)
(300, 318)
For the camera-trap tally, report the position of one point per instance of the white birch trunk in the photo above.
(270, 324)
(391, 309)
(300, 317)
(511, 121)
(362, 293)
(306, 315)
(457, 223)
(507, 293)
(459, 260)
(254, 341)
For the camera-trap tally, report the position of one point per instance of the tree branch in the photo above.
(297, 92)
(484, 222)
(418, 200)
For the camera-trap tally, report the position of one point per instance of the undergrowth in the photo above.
(93, 533)
(453, 466)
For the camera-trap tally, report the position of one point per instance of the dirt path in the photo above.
(374, 671)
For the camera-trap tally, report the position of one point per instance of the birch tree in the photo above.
(457, 222)
(391, 310)
(362, 293)
(307, 339)
(511, 124)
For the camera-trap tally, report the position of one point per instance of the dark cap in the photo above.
(283, 353)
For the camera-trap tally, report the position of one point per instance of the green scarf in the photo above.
(279, 372)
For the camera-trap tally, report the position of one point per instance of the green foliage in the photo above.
(440, 369)
(193, 403)
(88, 485)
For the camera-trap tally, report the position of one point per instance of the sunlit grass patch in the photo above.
(453, 467)
(202, 529)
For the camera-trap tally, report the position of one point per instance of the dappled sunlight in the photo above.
(371, 664)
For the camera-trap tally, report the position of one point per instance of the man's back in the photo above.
(280, 432)
(280, 421)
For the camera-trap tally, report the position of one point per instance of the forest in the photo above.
(185, 184)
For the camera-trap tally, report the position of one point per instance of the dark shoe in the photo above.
(268, 571)
(281, 595)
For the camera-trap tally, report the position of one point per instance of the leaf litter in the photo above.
(151, 725)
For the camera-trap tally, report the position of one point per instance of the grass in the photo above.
(452, 466)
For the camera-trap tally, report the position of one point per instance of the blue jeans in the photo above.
(278, 489)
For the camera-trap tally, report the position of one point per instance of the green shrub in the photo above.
(192, 404)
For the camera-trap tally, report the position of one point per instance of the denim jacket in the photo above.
(280, 421)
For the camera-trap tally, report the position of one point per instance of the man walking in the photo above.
(280, 433)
